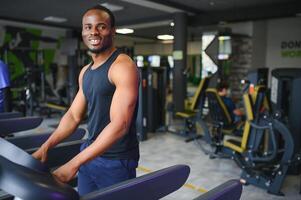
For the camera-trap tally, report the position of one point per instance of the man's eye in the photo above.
(101, 27)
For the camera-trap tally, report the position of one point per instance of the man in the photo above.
(109, 88)
(235, 113)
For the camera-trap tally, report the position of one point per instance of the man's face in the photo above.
(223, 92)
(97, 32)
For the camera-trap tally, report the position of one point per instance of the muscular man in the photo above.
(109, 88)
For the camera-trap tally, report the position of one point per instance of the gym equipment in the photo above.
(35, 141)
(8, 126)
(193, 110)
(219, 111)
(261, 166)
(151, 116)
(9, 115)
(141, 121)
(258, 76)
(30, 143)
(266, 169)
(156, 97)
(57, 107)
(28, 179)
(285, 97)
(221, 124)
(221, 121)
(230, 190)
(70, 147)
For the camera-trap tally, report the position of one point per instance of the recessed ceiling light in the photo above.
(112, 7)
(124, 31)
(55, 19)
(165, 37)
(172, 24)
(224, 38)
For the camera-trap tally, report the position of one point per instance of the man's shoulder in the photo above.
(123, 68)
(124, 59)
(124, 62)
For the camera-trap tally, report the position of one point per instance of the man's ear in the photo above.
(113, 31)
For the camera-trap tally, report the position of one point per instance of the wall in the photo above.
(259, 43)
(130, 41)
(20, 44)
(243, 28)
(30, 50)
(193, 48)
(280, 32)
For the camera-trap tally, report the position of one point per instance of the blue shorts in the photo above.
(102, 172)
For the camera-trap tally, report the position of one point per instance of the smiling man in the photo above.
(108, 90)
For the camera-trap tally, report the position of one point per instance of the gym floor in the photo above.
(165, 149)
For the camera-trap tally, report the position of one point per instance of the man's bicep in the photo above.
(124, 102)
(124, 76)
(78, 106)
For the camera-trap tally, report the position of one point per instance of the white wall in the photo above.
(129, 41)
(193, 48)
(153, 49)
(279, 31)
(47, 31)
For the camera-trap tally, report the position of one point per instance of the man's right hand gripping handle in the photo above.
(41, 154)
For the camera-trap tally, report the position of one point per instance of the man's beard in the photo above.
(100, 50)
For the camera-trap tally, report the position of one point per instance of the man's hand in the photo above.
(41, 154)
(66, 172)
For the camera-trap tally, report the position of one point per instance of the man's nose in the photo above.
(94, 31)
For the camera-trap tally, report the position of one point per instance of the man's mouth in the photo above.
(94, 41)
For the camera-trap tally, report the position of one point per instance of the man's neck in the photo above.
(100, 58)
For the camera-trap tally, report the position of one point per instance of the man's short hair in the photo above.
(108, 11)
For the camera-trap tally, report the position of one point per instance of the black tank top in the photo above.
(99, 91)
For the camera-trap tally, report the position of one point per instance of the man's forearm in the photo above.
(66, 127)
(104, 141)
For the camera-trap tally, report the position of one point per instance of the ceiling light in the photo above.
(112, 7)
(124, 31)
(172, 24)
(55, 19)
(165, 37)
(224, 37)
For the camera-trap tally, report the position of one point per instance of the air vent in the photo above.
(55, 19)
(111, 7)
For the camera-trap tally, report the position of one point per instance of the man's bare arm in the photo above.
(68, 123)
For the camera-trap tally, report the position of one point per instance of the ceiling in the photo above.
(150, 17)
